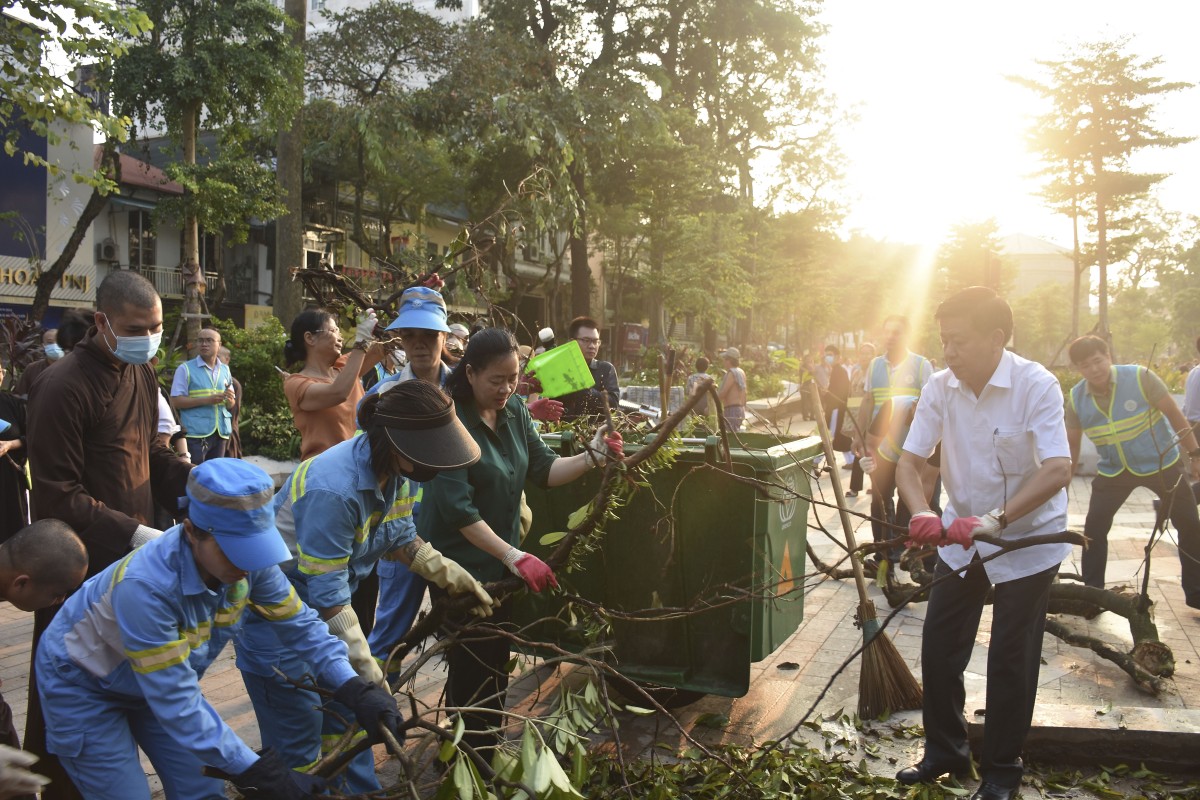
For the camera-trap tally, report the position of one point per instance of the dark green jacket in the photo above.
(489, 491)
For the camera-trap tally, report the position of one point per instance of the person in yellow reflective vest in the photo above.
(1128, 413)
(202, 393)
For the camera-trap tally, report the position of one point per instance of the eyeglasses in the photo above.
(585, 340)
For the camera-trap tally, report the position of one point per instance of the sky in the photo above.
(940, 134)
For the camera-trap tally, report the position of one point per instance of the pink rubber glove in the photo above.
(535, 572)
(615, 444)
(434, 282)
(964, 529)
(546, 410)
(960, 531)
(925, 527)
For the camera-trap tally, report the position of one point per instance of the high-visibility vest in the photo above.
(903, 381)
(202, 421)
(1130, 434)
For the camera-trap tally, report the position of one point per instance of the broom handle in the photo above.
(839, 496)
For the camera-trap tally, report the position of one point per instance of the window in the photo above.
(208, 251)
(317, 5)
(142, 239)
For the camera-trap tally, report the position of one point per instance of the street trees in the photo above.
(226, 67)
(367, 76)
(972, 256)
(1099, 114)
(42, 95)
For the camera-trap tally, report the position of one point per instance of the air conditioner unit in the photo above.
(532, 253)
(107, 251)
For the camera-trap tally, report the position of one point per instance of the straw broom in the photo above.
(885, 683)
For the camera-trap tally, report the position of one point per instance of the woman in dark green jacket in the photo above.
(473, 515)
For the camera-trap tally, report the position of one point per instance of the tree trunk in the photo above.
(1076, 256)
(110, 161)
(581, 272)
(1102, 263)
(193, 273)
(286, 297)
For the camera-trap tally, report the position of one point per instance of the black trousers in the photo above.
(1014, 661)
(1108, 494)
(477, 677)
(856, 477)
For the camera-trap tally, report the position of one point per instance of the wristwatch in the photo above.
(1002, 518)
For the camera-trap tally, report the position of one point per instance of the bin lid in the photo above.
(562, 370)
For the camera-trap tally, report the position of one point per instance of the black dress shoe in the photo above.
(926, 772)
(992, 791)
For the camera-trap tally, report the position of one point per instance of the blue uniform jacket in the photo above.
(148, 627)
(338, 522)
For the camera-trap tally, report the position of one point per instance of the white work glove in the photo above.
(142, 535)
(448, 574)
(603, 444)
(365, 330)
(14, 778)
(344, 625)
(867, 463)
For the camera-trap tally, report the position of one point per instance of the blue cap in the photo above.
(421, 307)
(233, 501)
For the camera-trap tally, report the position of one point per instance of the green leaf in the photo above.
(881, 572)
(712, 719)
(641, 712)
(459, 727)
(579, 515)
(461, 778)
(540, 779)
(552, 538)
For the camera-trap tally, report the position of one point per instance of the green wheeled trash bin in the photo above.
(695, 538)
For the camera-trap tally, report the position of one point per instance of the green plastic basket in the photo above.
(562, 370)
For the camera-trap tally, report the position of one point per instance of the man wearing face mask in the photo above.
(96, 461)
(29, 374)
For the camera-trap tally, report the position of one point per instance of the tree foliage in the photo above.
(225, 67)
(1099, 113)
(35, 93)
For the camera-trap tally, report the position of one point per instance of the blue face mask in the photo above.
(828, 359)
(53, 352)
(134, 349)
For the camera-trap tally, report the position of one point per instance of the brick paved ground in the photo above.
(1074, 683)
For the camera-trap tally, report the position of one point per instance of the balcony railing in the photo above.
(168, 281)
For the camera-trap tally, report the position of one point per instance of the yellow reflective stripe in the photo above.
(198, 635)
(156, 658)
(120, 571)
(311, 565)
(364, 530)
(401, 508)
(274, 612)
(204, 392)
(888, 392)
(228, 615)
(299, 479)
(331, 740)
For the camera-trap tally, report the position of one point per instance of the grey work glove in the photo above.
(143, 534)
(448, 574)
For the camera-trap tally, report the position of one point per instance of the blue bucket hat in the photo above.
(233, 501)
(421, 307)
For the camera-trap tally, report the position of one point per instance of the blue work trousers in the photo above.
(290, 719)
(96, 735)
(400, 594)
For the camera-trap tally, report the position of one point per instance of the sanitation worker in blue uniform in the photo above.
(1137, 428)
(341, 512)
(202, 393)
(120, 665)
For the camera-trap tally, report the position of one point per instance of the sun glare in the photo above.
(940, 135)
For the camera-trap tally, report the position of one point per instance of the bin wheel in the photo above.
(665, 696)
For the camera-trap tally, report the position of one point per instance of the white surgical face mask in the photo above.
(53, 352)
(828, 359)
(133, 349)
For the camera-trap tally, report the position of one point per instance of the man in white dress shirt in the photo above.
(1005, 462)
